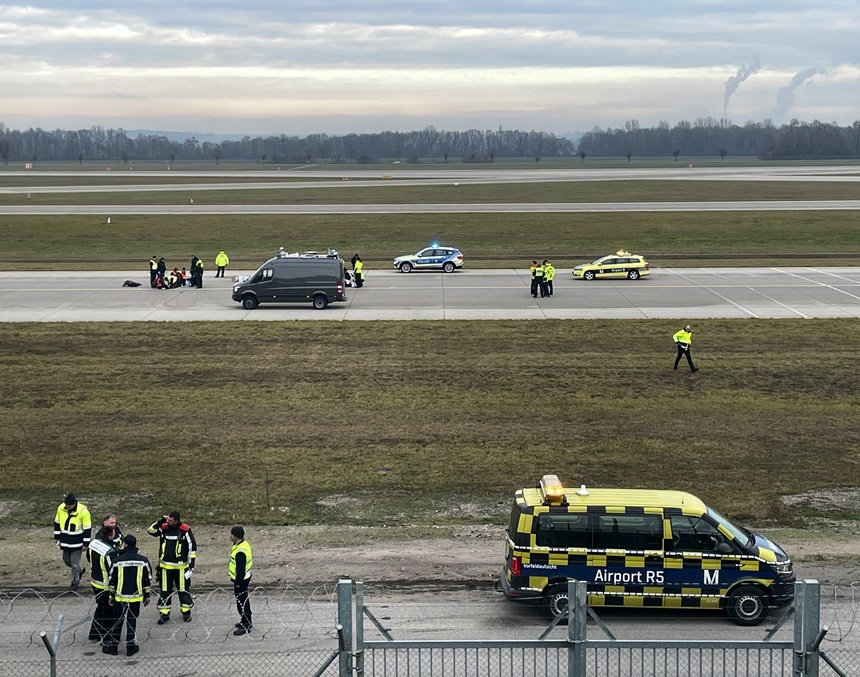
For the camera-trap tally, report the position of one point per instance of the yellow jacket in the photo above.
(685, 338)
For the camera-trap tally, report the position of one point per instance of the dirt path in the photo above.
(389, 556)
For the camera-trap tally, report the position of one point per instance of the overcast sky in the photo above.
(339, 66)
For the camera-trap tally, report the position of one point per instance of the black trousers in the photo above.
(534, 286)
(220, 271)
(684, 351)
(359, 279)
(549, 287)
(126, 613)
(243, 604)
(103, 617)
(174, 579)
(543, 288)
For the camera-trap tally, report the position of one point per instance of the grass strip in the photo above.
(419, 422)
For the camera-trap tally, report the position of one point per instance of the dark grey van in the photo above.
(316, 278)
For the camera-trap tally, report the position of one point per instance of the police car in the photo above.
(434, 257)
(620, 264)
(639, 548)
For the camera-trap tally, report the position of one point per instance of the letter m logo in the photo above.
(712, 577)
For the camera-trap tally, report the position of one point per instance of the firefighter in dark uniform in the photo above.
(130, 584)
(101, 555)
(239, 570)
(176, 556)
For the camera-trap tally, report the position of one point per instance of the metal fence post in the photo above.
(577, 620)
(807, 619)
(52, 646)
(359, 629)
(344, 626)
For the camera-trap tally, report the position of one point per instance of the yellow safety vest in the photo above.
(245, 547)
(221, 259)
(684, 337)
(550, 272)
(539, 272)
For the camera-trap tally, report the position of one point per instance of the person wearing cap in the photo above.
(176, 556)
(101, 555)
(72, 532)
(358, 270)
(130, 582)
(222, 261)
(153, 270)
(239, 570)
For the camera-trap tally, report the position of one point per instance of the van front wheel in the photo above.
(747, 605)
(555, 602)
(320, 301)
(249, 302)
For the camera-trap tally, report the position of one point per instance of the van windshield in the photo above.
(740, 535)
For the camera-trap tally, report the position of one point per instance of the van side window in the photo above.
(563, 530)
(263, 276)
(694, 534)
(629, 532)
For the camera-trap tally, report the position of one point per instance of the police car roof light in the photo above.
(552, 489)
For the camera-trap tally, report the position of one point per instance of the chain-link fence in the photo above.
(839, 611)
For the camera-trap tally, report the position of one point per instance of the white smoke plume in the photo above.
(785, 96)
(734, 82)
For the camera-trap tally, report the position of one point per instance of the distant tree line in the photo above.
(702, 137)
(708, 136)
(98, 143)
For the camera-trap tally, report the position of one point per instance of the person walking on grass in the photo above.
(72, 531)
(239, 571)
(683, 339)
(221, 261)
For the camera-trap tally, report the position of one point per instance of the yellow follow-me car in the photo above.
(620, 264)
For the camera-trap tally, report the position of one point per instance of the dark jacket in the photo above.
(178, 548)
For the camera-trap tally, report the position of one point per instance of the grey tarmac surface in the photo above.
(691, 293)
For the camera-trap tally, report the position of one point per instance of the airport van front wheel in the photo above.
(320, 301)
(249, 302)
(747, 605)
(555, 602)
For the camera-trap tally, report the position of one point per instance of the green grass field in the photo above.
(487, 240)
(418, 422)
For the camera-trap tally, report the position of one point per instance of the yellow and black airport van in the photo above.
(639, 548)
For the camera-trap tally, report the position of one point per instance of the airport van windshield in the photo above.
(739, 534)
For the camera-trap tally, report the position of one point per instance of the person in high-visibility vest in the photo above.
(129, 584)
(683, 338)
(358, 271)
(540, 276)
(534, 288)
(72, 531)
(153, 270)
(222, 261)
(549, 274)
(239, 570)
(101, 555)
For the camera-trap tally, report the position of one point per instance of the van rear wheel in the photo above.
(249, 302)
(320, 301)
(747, 605)
(555, 602)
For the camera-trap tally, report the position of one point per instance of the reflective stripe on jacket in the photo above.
(221, 259)
(100, 555)
(72, 529)
(685, 338)
(130, 577)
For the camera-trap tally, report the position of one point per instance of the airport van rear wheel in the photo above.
(320, 301)
(448, 267)
(249, 302)
(747, 605)
(633, 275)
(405, 267)
(555, 602)
(588, 275)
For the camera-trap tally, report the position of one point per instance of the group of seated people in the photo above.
(172, 279)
